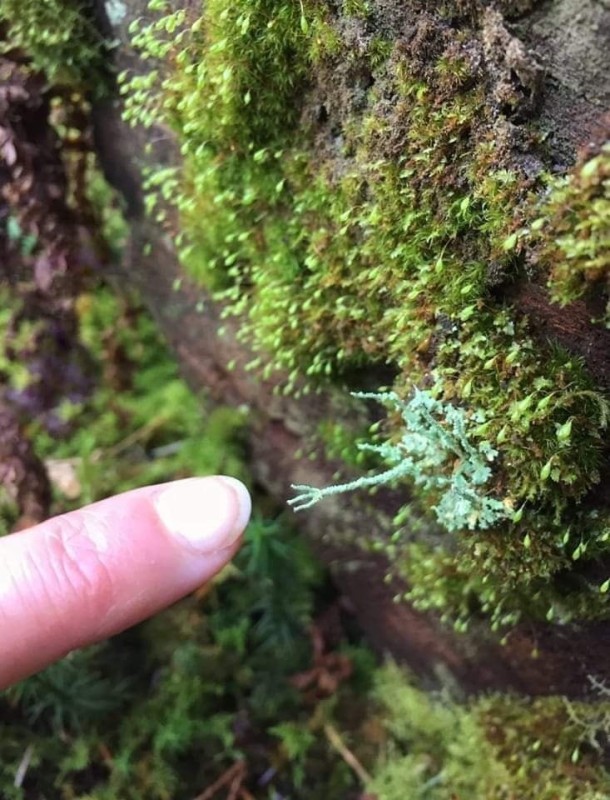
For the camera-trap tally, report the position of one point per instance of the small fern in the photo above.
(436, 453)
(72, 694)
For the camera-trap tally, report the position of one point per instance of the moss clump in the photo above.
(248, 58)
(493, 748)
(59, 36)
(573, 231)
(381, 226)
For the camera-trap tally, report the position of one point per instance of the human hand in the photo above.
(83, 576)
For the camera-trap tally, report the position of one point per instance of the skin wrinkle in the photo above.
(75, 565)
(17, 576)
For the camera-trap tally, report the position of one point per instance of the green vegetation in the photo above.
(68, 53)
(387, 236)
(494, 748)
(143, 425)
(357, 218)
(574, 232)
(167, 708)
(435, 438)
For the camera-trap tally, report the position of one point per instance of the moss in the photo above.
(68, 52)
(386, 234)
(139, 427)
(168, 708)
(573, 232)
(356, 8)
(495, 748)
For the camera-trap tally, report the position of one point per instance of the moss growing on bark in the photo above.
(495, 747)
(359, 203)
(574, 232)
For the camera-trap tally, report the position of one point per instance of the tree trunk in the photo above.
(538, 63)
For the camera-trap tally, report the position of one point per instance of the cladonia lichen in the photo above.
(437, 455)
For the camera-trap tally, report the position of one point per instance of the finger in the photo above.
(89, 574)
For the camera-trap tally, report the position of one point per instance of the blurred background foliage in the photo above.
(236, 674)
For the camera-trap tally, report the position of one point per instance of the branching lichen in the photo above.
(437, 455)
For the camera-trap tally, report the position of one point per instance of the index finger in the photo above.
(86, 575)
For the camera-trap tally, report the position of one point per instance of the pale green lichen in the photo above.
(116, 11)
(436, 454)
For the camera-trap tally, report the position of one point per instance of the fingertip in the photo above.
(244, 501)
(91, 573)
(207, 514)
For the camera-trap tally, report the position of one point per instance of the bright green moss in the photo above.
(356, 8)
(573, 231)
(233, 105)
(386, 238)
(500, 577)
(59, 37)
(495, 748)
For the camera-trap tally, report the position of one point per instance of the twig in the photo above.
(332, 734)
(236, 784)
(23, 766)
(134, 437)
(234, 775)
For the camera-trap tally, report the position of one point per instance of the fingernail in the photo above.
(209, 514)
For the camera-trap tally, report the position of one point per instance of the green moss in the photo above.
(166, 709)
(574, 233)
(357, 8)
(338, 443)
(385, 236)
(59, 37)
(143, 425)
(494, 748)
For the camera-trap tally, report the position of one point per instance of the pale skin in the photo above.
(84, 576)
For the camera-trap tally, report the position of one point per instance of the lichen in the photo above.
(436, 454)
